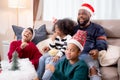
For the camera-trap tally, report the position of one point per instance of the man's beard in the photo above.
(84, 23)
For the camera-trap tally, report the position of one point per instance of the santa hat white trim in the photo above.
(87, 10)
(76, 43)
(88, 7)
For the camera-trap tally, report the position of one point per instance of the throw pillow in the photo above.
(40, 33)
(17, 30)
(109, 57)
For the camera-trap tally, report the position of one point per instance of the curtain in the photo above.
(35, 8)
(47, 9)
(104, 9)
(39, 15)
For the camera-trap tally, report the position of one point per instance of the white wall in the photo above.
(8, 17)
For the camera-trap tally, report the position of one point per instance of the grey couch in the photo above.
(112, 28)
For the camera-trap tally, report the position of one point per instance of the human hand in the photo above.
(45, 49)
(94, 53)
(54, 20)
(50, 67)
(23, 45)
(36, 78)
(55, 58)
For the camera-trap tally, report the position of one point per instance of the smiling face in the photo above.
(27, 35)
(83, 17)
(72, 52)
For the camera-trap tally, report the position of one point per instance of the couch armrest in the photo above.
(42, 44)
(119, 67)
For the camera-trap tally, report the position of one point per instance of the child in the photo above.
(25, 48)
(62, 29)
(71, 68)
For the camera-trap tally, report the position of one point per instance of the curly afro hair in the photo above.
(66, 25)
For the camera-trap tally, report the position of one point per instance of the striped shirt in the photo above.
(60, 44)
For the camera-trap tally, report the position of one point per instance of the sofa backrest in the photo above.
(112, 29)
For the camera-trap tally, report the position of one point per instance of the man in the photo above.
(96, 39)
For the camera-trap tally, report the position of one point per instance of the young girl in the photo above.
(62, 30)
(25, 48)
(71, 68)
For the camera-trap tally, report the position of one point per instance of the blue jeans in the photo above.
(41, 72)
(90, 62)
(47, 74)
(41, 66)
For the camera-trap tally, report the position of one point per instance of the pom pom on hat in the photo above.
(88, 7)
(79, 39)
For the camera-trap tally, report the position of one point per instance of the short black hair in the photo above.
(66, 25)
(31, 29)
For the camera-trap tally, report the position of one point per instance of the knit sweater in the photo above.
(60, 44)
(96, 37)
(66, 71)
(30, 51)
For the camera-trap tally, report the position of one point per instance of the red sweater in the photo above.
(30, 51)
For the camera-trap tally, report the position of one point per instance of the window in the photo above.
(104, 9)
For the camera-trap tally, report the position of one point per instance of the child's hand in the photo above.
(46, 49)
(23, 45)
(50, 67)
(36, 78)
(55, 59)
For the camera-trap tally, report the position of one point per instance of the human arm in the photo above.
(53, 41)
(101, 39)
(61, 50)
(80, 74)
(23, 45)
(14, 46)
(35, 55)
(64, 72)
(100, 42)
(45, 49)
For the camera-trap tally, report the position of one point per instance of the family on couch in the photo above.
(81, 50)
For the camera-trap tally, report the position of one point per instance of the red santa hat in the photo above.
(79, 39)
(88, 7)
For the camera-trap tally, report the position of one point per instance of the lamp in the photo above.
(17, 4)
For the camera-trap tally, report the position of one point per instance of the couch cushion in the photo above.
(109, 73)
(109, 57)
(49, 25)
(111, 27)
(114, 41)
(42, 44)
